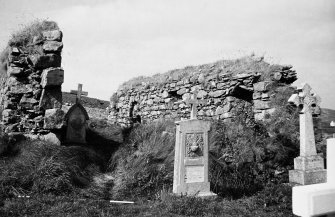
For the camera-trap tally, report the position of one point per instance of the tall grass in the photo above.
(26, 34)
(144, 164)
(40, 168)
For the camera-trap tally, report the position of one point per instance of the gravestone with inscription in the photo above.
(76, 121)
(191, 156)
(308, 167)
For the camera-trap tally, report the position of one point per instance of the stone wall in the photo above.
(32, 87)
(225, 85)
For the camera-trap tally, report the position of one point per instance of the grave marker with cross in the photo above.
(76, 119)
(190, 176)
(194, 102)
(309, 103)
(308, 167)
(79, 93)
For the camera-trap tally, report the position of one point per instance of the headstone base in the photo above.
(308, 162)
(308, 170)
(307, 177)
(198, 189)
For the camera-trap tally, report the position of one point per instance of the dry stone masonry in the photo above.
(31, 96)
(224, 85)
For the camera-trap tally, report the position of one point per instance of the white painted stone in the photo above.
(331, 161)
(311, 200)
(317, 199)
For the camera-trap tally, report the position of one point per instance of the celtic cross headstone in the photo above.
(191, 156)
(308, 167)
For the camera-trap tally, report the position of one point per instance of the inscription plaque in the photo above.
(194, 174)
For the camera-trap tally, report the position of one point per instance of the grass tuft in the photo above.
(26, 34)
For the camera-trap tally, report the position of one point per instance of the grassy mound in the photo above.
(36, 167)
(144, 164)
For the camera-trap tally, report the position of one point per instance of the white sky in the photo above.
(109, 42)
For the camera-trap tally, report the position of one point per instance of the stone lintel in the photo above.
(52, 77)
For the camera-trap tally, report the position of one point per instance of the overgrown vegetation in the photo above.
(249, 163)
(36, 167)
(249, 63)
(144, 164)
(25, 36)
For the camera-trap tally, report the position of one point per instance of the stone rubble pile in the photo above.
(223, 91)
(31, 96)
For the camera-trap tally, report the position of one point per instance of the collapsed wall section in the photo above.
(227, 87)
(31, 95)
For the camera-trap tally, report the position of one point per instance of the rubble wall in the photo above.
(226, 86)
(32, 87)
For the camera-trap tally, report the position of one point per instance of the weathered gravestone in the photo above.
(308, 167)
(191, 156)
(76, 121)
(317, 199)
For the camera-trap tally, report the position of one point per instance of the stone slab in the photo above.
(45, 61)
(308, 162)
(261, 105)
(308, 177)
(52, 77)
(313, 200)
(51, 98)
(261, 86)
(52, 46)
(53, 35)
(14, 71)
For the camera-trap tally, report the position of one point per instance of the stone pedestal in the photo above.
(308, 170)
(191, 159)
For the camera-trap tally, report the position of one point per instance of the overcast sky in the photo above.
(109, 42)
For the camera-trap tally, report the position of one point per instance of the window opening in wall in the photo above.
(175, 95)
(242, 93)
(134, 118)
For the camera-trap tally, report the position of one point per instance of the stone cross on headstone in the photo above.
(308, 167)
(194, 102)
(79, 93)
(190, 175)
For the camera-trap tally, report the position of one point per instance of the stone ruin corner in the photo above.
(31, 93)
